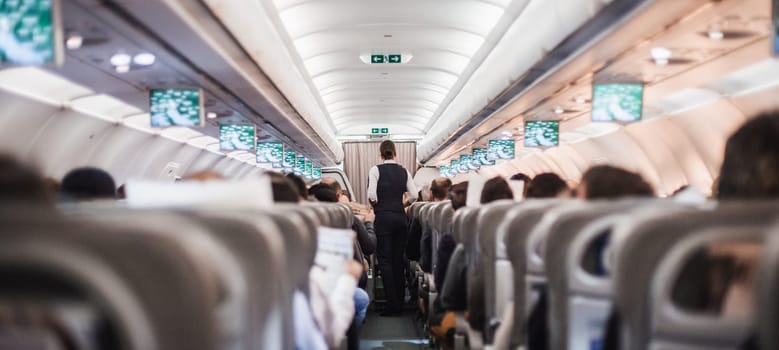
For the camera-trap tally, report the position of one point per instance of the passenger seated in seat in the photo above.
(547, 185)
(321, 321)
(21, 183)
(495, 189)
(439, 189)
(452, 281)
(88, 183)
(750, 170)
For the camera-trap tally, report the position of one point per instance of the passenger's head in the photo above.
(750, 169)
(608, 182)
(283, 189)
(88, 183)
(323, 193)
(547, 185)
(342, 196)
(459, 195)
(203, 176)
(439, 188)
(387, 150)
(19, 182)
(495, 189)
(521, 177)
(300, 185)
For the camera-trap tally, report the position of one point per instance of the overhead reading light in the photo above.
(144, 59)
(661, 55)
(559, 110)
(123, 69)
(716, 34)
(211, 115)
(74, 42)
(507, 133)
(121, 59)
(580, 100)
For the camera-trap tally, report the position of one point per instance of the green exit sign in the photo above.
(393, 58)
(375, 131)
(379, 130)
(377, 59)
(384, 130)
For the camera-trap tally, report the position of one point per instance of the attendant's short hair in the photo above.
(387, 150)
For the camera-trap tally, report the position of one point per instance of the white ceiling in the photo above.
(443, 38)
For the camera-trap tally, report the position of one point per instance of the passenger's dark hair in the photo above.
(283, 189)
(608, 182)
(332, 183)
(750, 169)
(88, 183)
(495, 189)
(546, 185)
(20, 182)
(521, 177)
(439, 188)
(459, 195)
(299, 184)
(387, 150)
(323, 193)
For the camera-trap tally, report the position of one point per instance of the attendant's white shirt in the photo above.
(373, 183)
(333, 310)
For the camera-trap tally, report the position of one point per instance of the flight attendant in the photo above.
(387, 184)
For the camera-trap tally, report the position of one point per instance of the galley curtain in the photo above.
(359, 157)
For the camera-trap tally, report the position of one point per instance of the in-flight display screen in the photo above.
(30, 32)
(617, 102)
(316, 173)
(270, 152)
(289, 160)
(300, 165)
(444, 171)
(500, 149)
(467, 163)
(309, 168)
(542, 133)
(176, 107)
(480, 155)
(454, 167)
(236, 137)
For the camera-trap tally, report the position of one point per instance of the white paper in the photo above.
(245, 194)
(475, 185)
(334, 248)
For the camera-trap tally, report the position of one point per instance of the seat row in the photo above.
(628, 266)
(108, 277)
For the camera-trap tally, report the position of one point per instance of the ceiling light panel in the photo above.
(437, 40)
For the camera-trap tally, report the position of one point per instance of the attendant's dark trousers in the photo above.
(391, 231)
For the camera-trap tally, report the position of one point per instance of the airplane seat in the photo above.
(457, 223)
(322, 214)
(490, 218)
(464, 328)
(565, 310)
(142, 284)
(519, 227)
(766, 303)
(637, 244)
(676, 327)
(445, 214)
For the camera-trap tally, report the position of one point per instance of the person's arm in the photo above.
(373, 182)
(411, 188)
(335, 306)
(366, 237)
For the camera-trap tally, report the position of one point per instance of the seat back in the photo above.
(673, 326)
(145, 285)
(766, 303)
(491, 216)
(639, 243)
(519, 223)
(444, 226)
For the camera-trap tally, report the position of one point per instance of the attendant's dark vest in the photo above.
(390, 189)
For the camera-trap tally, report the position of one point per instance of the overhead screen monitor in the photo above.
(270, 152)
(542, 133)
(289, 160)
(309, 168)
(500, 149)
(176, 107)
(467, 163)
(300, 165)
(444, 171)
(454, 167)
(316, 173)
(480, 155)
(617, 102)
(236, 137)
(30, 32)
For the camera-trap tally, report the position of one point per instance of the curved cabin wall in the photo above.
(57, 137)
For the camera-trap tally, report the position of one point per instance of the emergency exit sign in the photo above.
(379, 130)
(380, 59)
